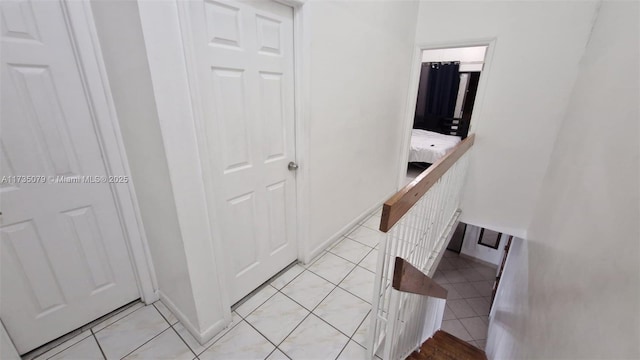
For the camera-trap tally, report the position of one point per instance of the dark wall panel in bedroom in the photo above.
(421, 103)
(437, 94)
(467, 106)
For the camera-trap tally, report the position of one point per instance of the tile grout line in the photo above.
(335, 286)
(310, 311)
(213, 343)
(356, 264)
(252, 311)
(243, 318)
(155, 336)
(40, 356)
(114, 315)
(341, 280)
(342, 257)
(260, 304)
(87, 327)
(93, 332)
(338, 285)
(476, 269)
(276, 349)
(360, 242)
(306, 268)
(185, 343)
(143, 344)
(174, 329)
(351, 337)
(465, 327)
(261, 334)
(104, 356)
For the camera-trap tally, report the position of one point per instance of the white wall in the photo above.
(574, 291)
(508, 317)
(518, 110)
(360, 60)
(120, 35)
(584, 252)
(355, 105)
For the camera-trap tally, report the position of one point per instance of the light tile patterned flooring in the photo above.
(469, 286)
(318, 311)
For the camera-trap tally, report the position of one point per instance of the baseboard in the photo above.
(344, 230)
(155, 296)
(202, 337)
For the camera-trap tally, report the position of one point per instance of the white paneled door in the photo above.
(241, 58)
(64, 259)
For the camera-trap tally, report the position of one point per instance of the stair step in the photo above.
(459, 344)
(444, 346)
(429, 352)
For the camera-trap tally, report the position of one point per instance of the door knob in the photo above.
(292, 166)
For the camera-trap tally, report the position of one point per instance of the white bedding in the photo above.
(429, 146)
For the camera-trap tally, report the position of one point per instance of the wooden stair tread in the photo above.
(458, 343)
(444, 346)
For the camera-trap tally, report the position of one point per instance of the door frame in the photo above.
(84, 41)
(302, 104)
(88, 54)
(414, 82)
(202, 140)
(162, 27)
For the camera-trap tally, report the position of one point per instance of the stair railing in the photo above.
(418, 221)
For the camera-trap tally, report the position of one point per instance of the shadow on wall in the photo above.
(508, 318)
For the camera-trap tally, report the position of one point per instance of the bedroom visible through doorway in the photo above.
(448, 84)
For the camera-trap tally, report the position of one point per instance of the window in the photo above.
(489, 238)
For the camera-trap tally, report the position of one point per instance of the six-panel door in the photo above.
(242, 59)
(64, 260)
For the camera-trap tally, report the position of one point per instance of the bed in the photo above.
(429, 146)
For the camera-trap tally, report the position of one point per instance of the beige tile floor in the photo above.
(469, 286)
(317, 311)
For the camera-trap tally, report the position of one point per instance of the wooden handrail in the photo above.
(408, 278)
(398, 205)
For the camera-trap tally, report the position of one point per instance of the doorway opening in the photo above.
(446, 95)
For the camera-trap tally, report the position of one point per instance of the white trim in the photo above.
(162, 25)
(410, 111)
(414, 82)
(344, 231)
(302, 90)
(292, 3)
(8, 350)
(204, 149)
(201, 337)
(204, 159)
(165, 47)
(92, 71)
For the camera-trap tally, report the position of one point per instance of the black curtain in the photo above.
(437, 94)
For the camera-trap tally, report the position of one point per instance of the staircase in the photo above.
(444, 346)
(417, 221)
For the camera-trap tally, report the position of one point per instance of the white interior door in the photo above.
(64, 260)
(243, 61)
